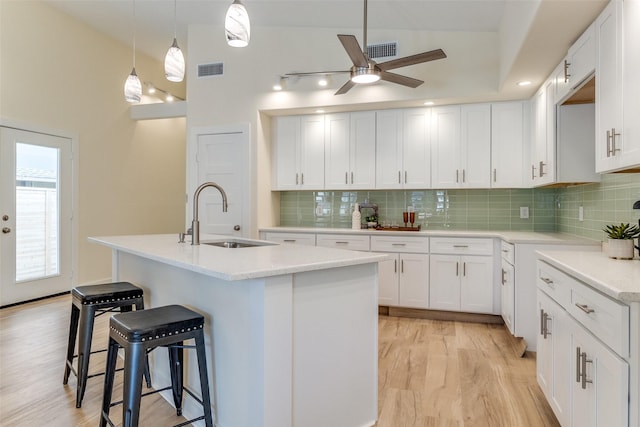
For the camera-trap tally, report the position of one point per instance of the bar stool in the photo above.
(140, 332)
(89, 302)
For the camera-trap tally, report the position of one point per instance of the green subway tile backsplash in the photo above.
(608, 202)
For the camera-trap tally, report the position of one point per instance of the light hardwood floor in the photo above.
(431, 373)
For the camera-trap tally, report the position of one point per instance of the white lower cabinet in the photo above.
(584, 380)
(461, 274)
(403, 281)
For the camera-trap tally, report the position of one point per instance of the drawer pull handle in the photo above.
(342, 243)
(585, 308)
(398, 244)
(505, 251)
(460, 246)
(289, 240)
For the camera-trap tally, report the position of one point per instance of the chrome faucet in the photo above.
(195, 224)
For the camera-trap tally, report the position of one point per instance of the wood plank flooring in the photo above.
(431, 373)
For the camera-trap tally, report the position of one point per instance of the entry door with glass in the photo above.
(35, 215)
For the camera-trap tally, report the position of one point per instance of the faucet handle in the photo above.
(180, 237)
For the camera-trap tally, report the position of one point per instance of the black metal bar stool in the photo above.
(140, 332)
(89, 302)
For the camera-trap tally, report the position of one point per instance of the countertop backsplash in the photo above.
(550, 209)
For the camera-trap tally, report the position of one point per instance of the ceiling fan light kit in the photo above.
(364, 75)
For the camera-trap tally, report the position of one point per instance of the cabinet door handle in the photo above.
(457, 268)
(566, 71)
(464, 269)
(494, 175)
(609, 143)
(585, 308)
(399, 179)
(541, 170)
(302, 178)
(464, 175)
(503, 279)
(613, 142)
(584, 370)
(578, 357)
(457, 173)
(402, 266)
(546, 332)
(395, 265)
(346, 177)
(296, 179)
(352, 177)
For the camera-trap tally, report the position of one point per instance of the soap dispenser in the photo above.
(356, 217)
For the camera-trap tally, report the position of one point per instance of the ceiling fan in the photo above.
(366, 70)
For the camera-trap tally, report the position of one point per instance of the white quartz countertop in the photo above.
(238, 263)
(619, 279)
(529, 237)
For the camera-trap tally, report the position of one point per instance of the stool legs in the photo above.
(110, 372)
(204, 378)
(73, 332)
(84, 351)
(176, 360)
(134, 362)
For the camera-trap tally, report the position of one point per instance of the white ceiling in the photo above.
(558, 24)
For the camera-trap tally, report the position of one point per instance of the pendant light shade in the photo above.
(174, 60)
(132, 87)
(237, 26)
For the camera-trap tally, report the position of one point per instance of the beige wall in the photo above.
(57, 73)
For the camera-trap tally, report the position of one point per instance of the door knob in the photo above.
(6, 230)
(236, 227)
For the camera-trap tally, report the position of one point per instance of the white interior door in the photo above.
(35, 215)
(221, 156)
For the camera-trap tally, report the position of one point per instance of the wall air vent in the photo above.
(213, 69)
(382, 50)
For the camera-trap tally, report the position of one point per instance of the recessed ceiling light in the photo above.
(319, 111)
(428, 103)
(524, 83)
(323, 82)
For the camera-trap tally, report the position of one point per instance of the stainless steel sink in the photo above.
(236, 243)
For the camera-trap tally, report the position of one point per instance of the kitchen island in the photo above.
(291, 332)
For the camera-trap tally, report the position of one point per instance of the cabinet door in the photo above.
(582, 58)
(414, 280)
(507, 295)
(508, 145)
(444, 282)
(312, 153)
(286, 153)
(476, 284)
(608, 27)
(630, 143)
(600, 383)
(445, 140)
(539, 145)
(336, 153)
(362, 154)
(388, 149)
(547, 164)
(475, 146)
(544, 347)
(388, 281)
(416, 158)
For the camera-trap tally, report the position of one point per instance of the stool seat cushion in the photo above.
(108, 292)
(154, 323)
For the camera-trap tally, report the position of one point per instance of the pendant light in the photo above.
(236, 25)
(174, 60)
(133, 87)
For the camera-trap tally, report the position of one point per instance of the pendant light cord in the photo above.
(175, 13)
(134, 33)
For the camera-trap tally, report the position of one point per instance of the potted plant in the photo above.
(620, 244)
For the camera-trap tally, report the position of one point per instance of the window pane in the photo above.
(37, 224)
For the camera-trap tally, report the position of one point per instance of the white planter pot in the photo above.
(620, 248)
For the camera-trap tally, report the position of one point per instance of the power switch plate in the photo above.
(524, 212)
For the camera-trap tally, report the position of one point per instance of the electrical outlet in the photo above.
(580, 214)
(524, 212)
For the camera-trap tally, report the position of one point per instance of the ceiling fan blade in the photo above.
(345, 87)
(354, 50)
(418, 58)
(402, 80)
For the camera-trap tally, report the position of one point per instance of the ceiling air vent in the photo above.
(208, 70)
(382, 50)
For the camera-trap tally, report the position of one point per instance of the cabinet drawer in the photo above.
(343, 241)
(554, 283)
(292, 238)
(460, 245)
(604, 317)
(411, 244)
(508, 252)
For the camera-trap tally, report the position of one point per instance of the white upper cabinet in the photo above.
(578, 65)
(298, 161)
(350, 150)
(461, 139)
(544, 135)
(509, 144)
(403, 155)
(617, 87)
